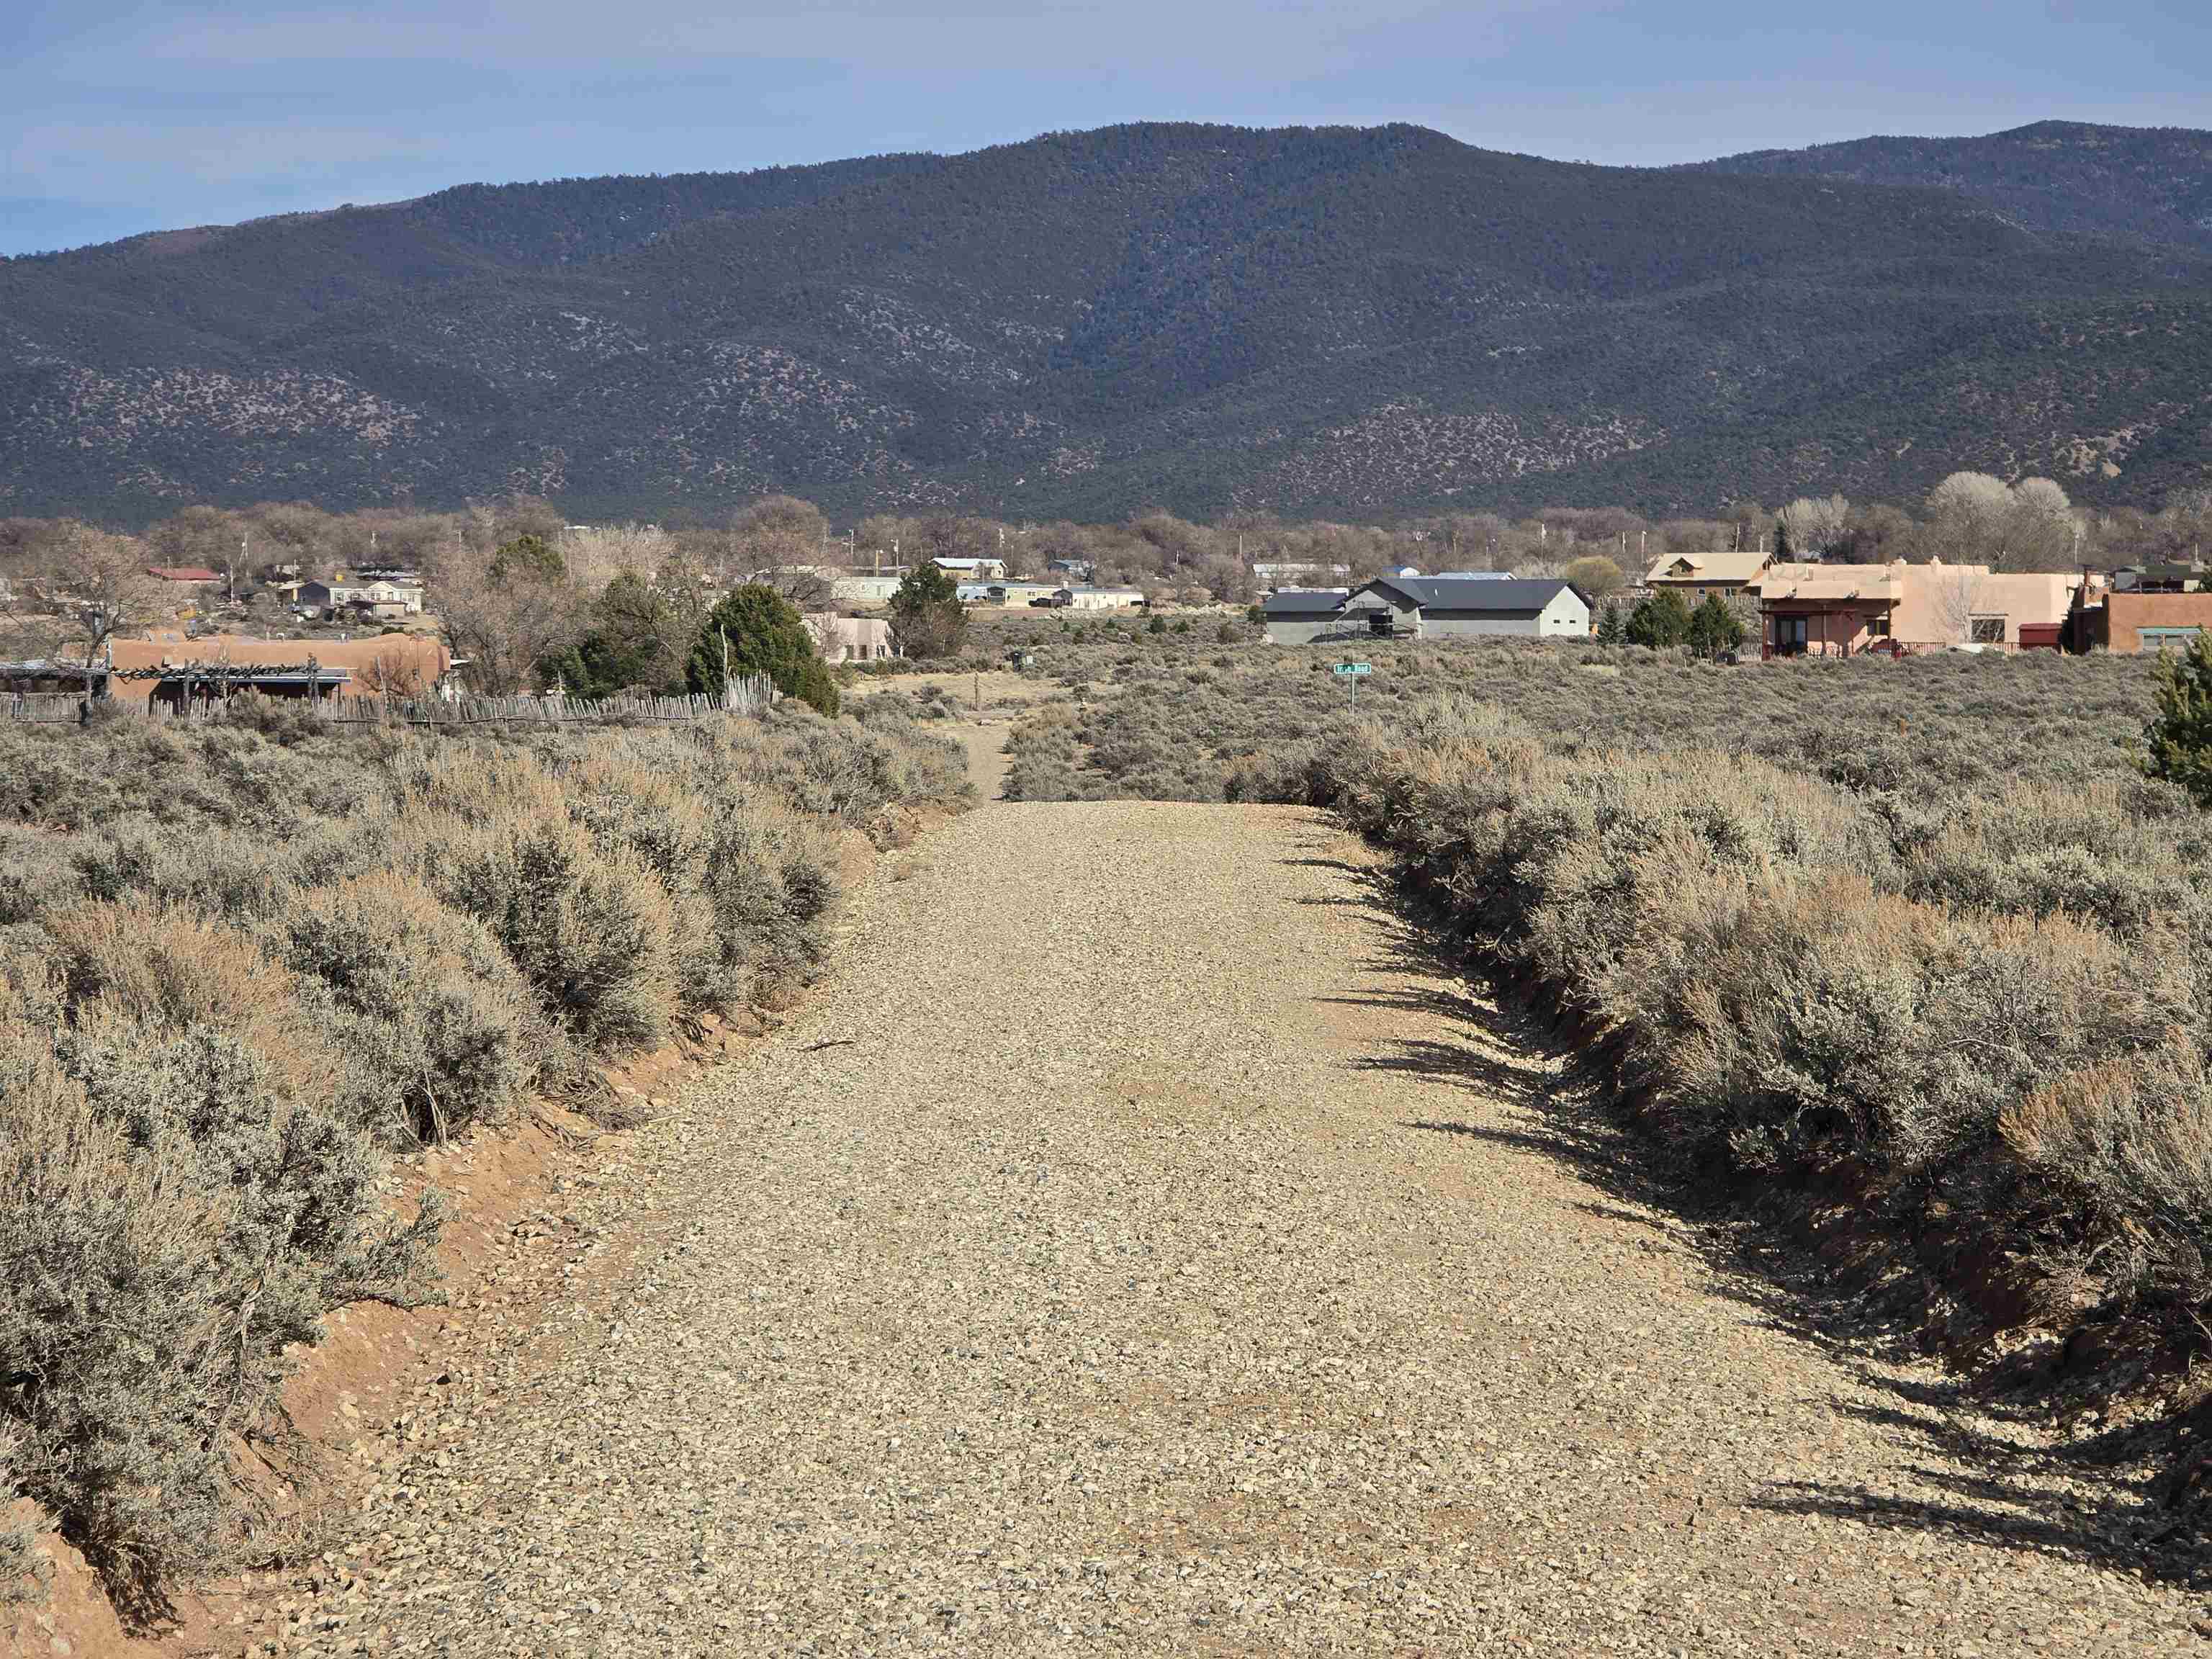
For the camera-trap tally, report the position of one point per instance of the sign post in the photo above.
(1353, 673)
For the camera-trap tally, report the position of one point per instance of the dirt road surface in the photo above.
(1136, 1250)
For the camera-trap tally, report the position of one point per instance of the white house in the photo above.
(850, 639)
(1098, 599)
(863, 590)
(1431, 608)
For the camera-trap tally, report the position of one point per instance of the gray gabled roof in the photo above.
(1302, 601)
(1518, 595)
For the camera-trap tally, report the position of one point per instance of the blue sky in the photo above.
(119, 118)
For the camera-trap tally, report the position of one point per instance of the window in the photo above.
(1878, 627)
(1986, 630)
(1378, 622)
(1788, 636)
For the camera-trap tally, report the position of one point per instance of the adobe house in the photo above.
(1844, 609)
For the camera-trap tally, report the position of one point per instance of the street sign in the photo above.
(1353, 668)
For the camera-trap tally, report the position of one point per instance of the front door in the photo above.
(1789, 637)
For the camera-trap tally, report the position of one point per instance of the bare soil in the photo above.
(1143, 1246)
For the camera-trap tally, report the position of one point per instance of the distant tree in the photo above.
(1596, 575)
(1713, 627)
(757, 631)
(96, 586)
(1612, 626)
(637, 641)
(1661, 622)
(1813, 524)
(927, 619)
(2177, 740)
(511, 614)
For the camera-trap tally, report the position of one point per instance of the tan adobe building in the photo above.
(1842, 609)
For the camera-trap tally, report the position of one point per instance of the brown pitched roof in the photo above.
(182, 573)
(1731, 567)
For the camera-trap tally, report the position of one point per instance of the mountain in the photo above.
(1351, 322)
(2149, 184)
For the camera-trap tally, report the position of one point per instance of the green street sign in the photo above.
(1353, 668)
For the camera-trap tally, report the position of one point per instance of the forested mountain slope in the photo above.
(1354, 322)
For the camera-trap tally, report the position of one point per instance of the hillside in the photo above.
(1351, 322)
(2152, 184)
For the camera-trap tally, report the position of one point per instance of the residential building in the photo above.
(1830, 610)
(1076, 570)
(380, 597)
(1098, 599)
(1459, 607)
(1693, 575)
(2138, 621)
(1429, 608)
(1303, 615)
(1004, 592)
(850, 639)
(973, 569)
(864, 590)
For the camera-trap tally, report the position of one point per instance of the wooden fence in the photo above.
(747, 696)
(751, 696)
(43, 706)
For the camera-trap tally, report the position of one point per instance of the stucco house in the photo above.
(1843, 609)
(850, 639)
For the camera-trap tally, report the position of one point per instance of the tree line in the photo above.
(527, 596)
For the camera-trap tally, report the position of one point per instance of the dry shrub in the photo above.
(1798, 998)
(425, 991)
(168, 1221)
(170, 963)
(588, 927)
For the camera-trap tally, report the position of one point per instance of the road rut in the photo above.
(1136, 1248)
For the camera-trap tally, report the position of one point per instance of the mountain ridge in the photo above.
(1359, 321)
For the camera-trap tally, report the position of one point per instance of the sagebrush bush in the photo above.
(234, 971)
(168, 1222)
(1992, 1032)
(426, 993)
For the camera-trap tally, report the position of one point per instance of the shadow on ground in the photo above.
(1558, 1105)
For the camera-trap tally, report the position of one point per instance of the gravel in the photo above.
(1132, 1251)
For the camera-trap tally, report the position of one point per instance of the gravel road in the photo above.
(1135, 1250)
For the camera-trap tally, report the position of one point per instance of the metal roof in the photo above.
(1517, 594)
(1303, 602)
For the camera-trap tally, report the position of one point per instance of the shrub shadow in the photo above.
(2084, 1498)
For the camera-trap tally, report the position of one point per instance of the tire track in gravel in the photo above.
(1135, 1250)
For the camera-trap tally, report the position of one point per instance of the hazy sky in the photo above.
(118, 118)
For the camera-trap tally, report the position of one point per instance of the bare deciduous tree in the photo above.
(95, 586)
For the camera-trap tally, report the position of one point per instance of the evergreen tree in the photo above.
(2178, 741)
(1714, 628)
(1661, 622)
(765, 636)
(927, 619)
(1612, 626)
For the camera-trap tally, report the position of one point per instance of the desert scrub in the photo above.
(170, 1217)
(1968, 1037)
(242, 965)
